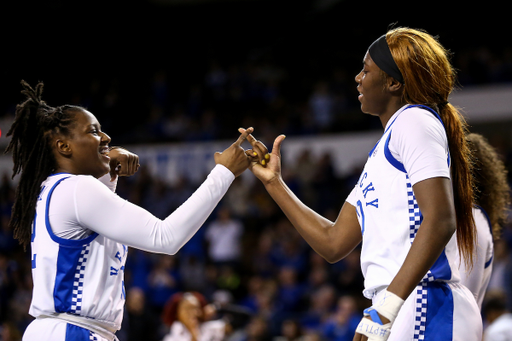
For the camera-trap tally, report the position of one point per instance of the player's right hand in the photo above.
(234, 157)
(265, 166)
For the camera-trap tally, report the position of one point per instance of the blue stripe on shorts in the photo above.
(434, 312)
(76, 333)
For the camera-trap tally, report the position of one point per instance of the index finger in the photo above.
(247, 132)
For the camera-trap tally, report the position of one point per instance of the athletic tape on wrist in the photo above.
(389, 305)
(373, 330)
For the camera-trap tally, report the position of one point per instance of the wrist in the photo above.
(275, 182)
(388, 305)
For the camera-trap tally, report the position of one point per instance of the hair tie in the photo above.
(381, 55)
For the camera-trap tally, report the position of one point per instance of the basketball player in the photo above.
(492, 199)
(413, 193)
(78, 229)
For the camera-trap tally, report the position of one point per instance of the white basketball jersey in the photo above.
(81, 277)
(478, 278)
(390, 218)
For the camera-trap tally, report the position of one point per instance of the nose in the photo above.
(358, 77)
(105, 138)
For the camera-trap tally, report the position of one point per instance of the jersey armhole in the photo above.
(55, 238)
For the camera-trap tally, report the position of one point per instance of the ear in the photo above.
(394, 85)
(63, 147)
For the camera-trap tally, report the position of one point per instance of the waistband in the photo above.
(86, 323)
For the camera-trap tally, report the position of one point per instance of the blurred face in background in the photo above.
(190, 310)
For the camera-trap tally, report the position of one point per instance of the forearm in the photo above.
(329, 239)
(428, 245)
(129, 224)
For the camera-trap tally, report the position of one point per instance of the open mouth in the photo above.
(105, 151)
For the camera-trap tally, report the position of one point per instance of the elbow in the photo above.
(332, 255)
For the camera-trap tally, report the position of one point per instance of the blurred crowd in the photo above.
(247, 253)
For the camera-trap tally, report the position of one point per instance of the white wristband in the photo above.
(389, 305)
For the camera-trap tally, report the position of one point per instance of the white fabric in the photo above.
(50, 329)
(500, 329)
(224, 238)
(83, 203)
(419, 142)
(383, 197)
(478, 279)
(373, 330)
(467, 322)
(209, 331)
(389, 305)
(84, 277)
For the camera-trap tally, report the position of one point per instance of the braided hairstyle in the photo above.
(35, 124)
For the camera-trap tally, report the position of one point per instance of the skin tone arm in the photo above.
(435, 201)
(332, 240)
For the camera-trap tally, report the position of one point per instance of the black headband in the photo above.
(381, 55)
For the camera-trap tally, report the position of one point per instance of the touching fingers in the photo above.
(244, 133)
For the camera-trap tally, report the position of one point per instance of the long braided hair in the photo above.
(429, 79)
(34, 126)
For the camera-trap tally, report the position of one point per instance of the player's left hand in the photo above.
(122, 163)
(371, 330)
(378, 319)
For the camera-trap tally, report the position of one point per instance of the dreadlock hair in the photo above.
(492, 191)
(34, 126)
(429, 78)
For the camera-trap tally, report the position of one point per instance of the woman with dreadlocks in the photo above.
(492, 199)
(78, 229)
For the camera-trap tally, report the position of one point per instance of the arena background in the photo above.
(174, 79)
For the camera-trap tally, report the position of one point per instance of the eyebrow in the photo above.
(94, 125)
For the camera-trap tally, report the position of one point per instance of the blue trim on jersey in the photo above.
(67, 261)
(59, 240)
(391, 159)
(59, 174)
(489, 262)
(441, 268)
(439, 324)
(76, 333)
(33, 229)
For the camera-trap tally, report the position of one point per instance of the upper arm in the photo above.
(419, 142)
(104, 212)
(435, 200)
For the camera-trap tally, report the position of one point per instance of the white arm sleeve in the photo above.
(419, 142)
(112, 185)
(102, 211)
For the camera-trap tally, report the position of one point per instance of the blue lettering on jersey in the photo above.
(374, 203)
(114, 271)
(368, 189)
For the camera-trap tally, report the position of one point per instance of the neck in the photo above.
(391, 109)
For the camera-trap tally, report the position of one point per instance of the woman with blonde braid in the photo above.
(414, 192)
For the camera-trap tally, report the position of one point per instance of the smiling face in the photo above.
(85, 150)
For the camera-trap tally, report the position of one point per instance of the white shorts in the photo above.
(49, 329)
(438, 311)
